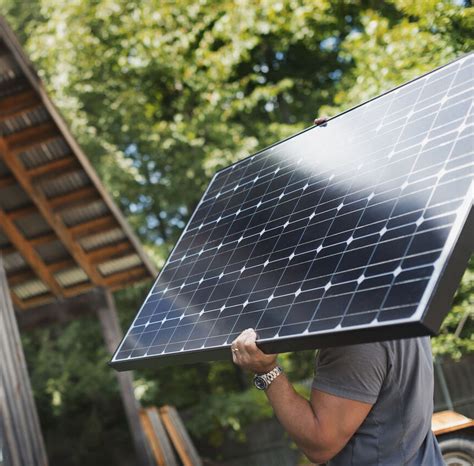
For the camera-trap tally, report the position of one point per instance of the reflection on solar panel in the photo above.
(356, 231)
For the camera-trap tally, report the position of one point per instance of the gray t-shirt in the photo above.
(397, 378)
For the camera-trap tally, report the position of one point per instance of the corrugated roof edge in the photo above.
(28, 69)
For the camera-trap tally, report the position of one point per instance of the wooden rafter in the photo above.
(90, 227)
(29, 253)
(33, 301)
(6, 181)
(108, 252)
(6, 250)
(62, 265)
(43, 239)
(22, 211)
(55, 165)
(119, 279)
(19, 277)
(19, 99)
(79, 197)
(54, 220)
(18, 104)
(31, 136)
(78, 289)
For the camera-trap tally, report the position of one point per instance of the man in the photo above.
(371, 404)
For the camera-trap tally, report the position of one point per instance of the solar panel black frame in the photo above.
(435, 301)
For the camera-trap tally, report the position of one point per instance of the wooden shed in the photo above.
(65, 245)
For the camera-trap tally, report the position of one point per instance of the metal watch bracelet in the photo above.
(263, 381)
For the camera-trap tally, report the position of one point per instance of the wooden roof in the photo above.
(60, 232)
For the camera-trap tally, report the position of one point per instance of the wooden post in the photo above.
(112, 335)
(20, 433)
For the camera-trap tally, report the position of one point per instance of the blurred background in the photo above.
(160, 95)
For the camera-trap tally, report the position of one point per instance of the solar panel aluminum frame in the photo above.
(432, 308)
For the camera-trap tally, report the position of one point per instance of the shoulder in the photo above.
(355, 371)
(365, 352)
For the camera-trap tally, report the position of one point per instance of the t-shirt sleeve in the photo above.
(356, 372)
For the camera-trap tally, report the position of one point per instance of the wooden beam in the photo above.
(78, 289)
(93, 226)
(17, 302)
(157, 436)
(32, 80)
(125, 276)
(19, 277)
(34, 301)
(6, 250)
(18, 104)
(60, 310)
(58, 164)
(29, 253)
(54, 220)
(31, 136)
(112, 335)
(22, 212)
(6, 181)
(179, 436)
(109, 252)
(22, 99)
(43, 239)
(79, 197)
(61, 265)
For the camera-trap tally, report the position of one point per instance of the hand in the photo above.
(247, 355)
(320, 121)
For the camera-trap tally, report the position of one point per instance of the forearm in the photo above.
(297, 417)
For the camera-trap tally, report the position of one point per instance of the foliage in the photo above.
(162, 93)
(77, 400)
(457, 332)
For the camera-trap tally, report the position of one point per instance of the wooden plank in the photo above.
(35, 301)
(11, 103)
(444, 422)
(112, 335)
(61, 311)
(29, 253)
(6, 181)
(43, 239)
(6, 250)
(78, 289)
(90, 227)
(22, 437)
(160, 433)
(31, 136)
(152, 439)
(125, 276)
(54, 220)
(61, 265)
(22, 212)
(179, 436)
(63, 163)
(18, 104)
(105, 253)
(78, 197)
(19, 277)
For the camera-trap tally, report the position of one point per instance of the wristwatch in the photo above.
(263, 381)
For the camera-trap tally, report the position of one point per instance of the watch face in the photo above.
(260, 382)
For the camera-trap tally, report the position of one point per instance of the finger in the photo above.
(320, 121)
(249, 342)
(235, 358)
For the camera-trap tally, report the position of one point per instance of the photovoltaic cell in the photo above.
(355, 231)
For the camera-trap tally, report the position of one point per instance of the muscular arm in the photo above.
(320, 427)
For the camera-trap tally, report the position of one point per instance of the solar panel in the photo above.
(355, 231)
